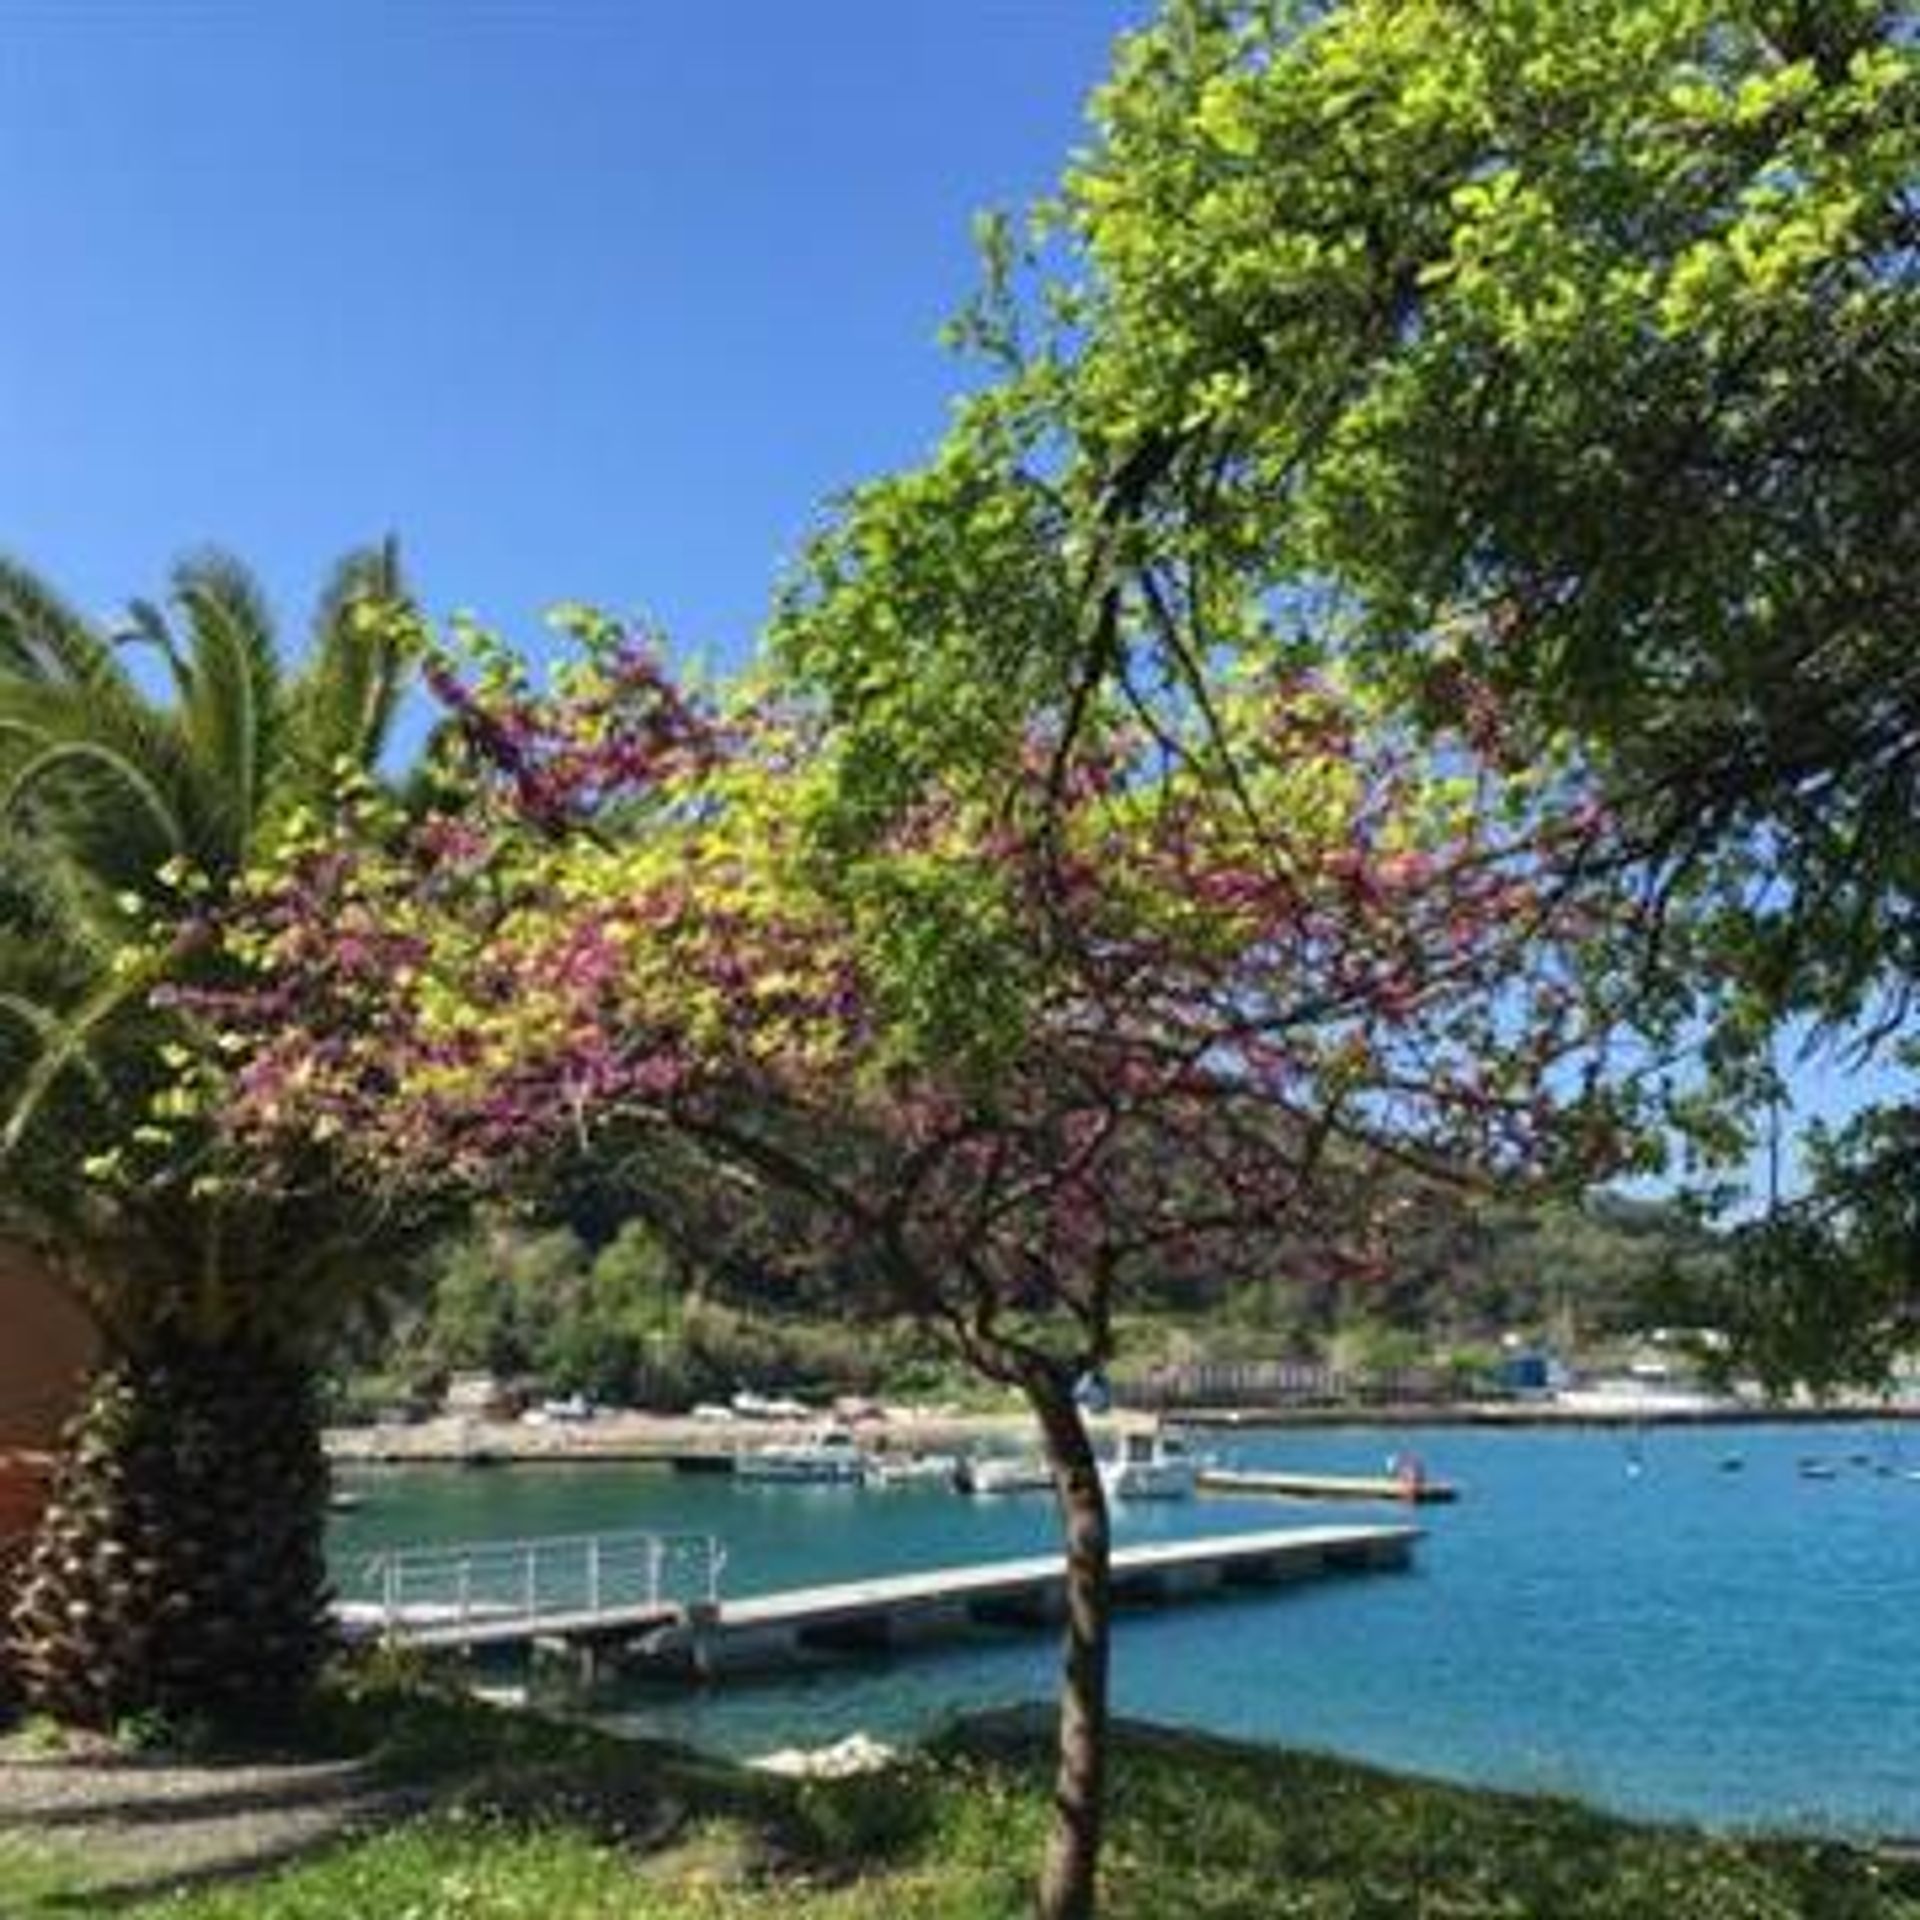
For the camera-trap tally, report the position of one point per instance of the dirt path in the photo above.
(134, 1826)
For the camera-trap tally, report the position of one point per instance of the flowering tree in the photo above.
(1151, 1005)
(1580, 343)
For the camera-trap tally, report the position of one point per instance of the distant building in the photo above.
(1529, 1371)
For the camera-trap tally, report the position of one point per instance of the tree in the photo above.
(179, 1563)
(1821, 1291)
(1576, 343)
(1557, 358)
(512, 1300)
(1000, 1052)
(1633, 436)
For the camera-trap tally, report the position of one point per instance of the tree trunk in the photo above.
(1069, 1876)
(23, 1496)
(179, 1567)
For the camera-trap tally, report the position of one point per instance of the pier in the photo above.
(1410, 1489)
(484, 1594)
(651, 1604)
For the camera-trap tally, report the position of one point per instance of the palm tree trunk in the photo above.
(1069, 1874)
(179, 1567)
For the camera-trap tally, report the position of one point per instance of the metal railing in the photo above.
(403, 1589)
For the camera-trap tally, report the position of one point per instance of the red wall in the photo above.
(47, 1344)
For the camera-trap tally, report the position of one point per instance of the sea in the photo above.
(1678, 1622)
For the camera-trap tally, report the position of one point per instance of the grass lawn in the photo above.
(539, 1823)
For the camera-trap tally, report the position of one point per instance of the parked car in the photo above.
(757, 1406)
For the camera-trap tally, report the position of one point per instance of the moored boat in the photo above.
(1150, 1466)
(828, 1456)
(911, 1469)
(993, 1473)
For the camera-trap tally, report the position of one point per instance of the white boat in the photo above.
(756, 1406)
(911, 1469)
(828, 1456)
(1641, 1395)
(1150, 1466)
(1002, 1473)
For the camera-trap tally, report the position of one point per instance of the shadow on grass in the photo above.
(1201, 1829)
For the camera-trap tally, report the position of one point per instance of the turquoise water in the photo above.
(1739, 1648)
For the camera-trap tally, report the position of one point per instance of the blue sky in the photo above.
(591, 299)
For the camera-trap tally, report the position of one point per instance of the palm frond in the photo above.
(60, 924)
(231, 715)
(45, 1031)
(67, 1047)
(109, 787)
(342, 704)
(361, 574)
(147, 625)
(62, 756)
(42, 637)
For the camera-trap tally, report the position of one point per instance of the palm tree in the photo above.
(179, 1564)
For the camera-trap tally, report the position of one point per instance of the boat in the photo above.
(990, 1473)
(1150, 1466)
(828, 1456)
(1640, 1396)
(911, 1469)
(344, 1500)
(1816, 1469)
(756, 1406)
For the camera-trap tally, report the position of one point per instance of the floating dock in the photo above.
(639, 1627)
(481, 1595)
(1406, 1488)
